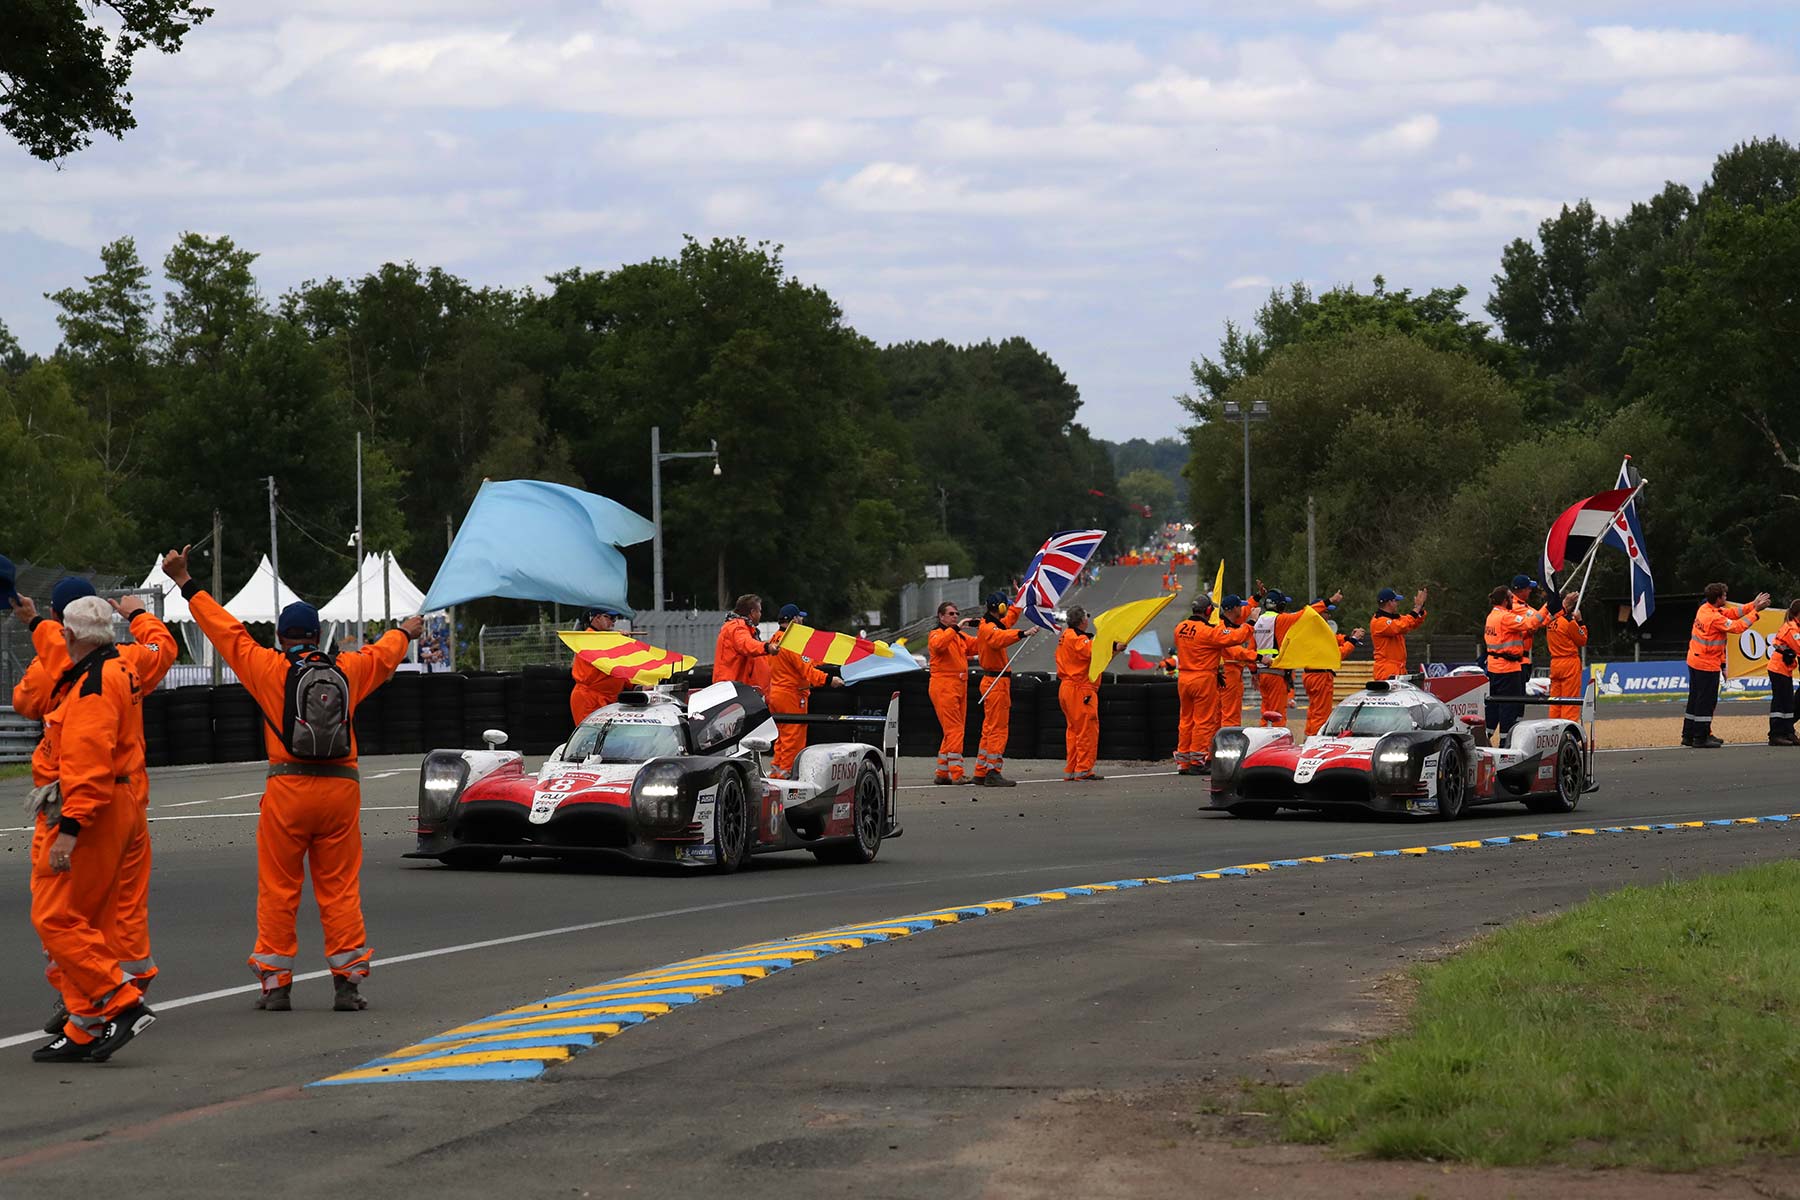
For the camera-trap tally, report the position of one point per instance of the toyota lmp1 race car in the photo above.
(1410, 746)
(661, 779)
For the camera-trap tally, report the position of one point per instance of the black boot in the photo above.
(121, 1029)
(64, 1050)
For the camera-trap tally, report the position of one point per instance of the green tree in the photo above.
(107, 353)
(1148, 489)
(53, 505)
(1379, 429)
(63, 71)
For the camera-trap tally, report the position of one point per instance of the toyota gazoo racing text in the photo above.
(664, 779)
(1407, 745)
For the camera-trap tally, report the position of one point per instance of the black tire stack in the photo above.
(1022, 735)
(1165, 718)
(919, 733)
(403, 718)
(484, 708)
(370, 722)
(189, 725)
(544, 718)
(236, 725)
(444, 704)
(1052, 728)
(1125, 721)
(157, 747)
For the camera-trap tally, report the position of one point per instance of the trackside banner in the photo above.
(1664, 678)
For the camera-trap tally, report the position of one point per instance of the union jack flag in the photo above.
(1053, 570)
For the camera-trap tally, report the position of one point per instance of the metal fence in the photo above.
(18, 737)
(37, 582)
(919, 601)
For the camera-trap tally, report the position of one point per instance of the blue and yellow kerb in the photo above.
(521, 1043)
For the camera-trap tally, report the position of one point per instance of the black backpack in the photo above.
(315, 715)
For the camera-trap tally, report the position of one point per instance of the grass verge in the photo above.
(14, 770)
(1651, 1027)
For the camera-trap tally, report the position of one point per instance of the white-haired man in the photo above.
(89, 820)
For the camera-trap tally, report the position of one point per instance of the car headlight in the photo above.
(661, 796)
(1396, 762)
(1229, 748)
(441, 781)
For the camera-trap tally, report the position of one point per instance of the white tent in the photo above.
(395, 597)
(257, 601)
(175, 607)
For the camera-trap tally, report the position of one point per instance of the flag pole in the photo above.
(1594, 550)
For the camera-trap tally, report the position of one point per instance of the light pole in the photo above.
(657, 458)
(1259, 411)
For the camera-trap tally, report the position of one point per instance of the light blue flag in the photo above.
(875, 666)
(539, 541)
(1146, 644)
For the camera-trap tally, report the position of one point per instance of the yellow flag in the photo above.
(1308, 645)
(1739, 663)
(1120, 625)
(1218, 594)
(624, 657)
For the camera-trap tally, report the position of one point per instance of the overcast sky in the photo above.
(1109, 179)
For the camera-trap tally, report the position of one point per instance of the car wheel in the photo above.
(471, 860)
(732, 823)
(869, 801)
(1453, 782)
(1571, 780)
(1260, 811)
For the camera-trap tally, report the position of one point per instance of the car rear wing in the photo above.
(890, 738)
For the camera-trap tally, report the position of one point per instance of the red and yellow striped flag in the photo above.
(624, 657)
(832, 649)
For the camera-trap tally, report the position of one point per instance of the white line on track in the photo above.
(213, 800)
(20, 1039)
(220, 816)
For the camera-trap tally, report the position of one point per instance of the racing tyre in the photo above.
(1571, 779)
(1453, 782)
(867, 816)
(734, 823)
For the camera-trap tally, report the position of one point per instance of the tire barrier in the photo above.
(416, 712)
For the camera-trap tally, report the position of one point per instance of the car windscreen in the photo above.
(623, 742)
(1353, 719)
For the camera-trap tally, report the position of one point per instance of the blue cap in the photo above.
(1232, 600)
(996, 599)
(600, 610)
(1523, 581)
(9, 576)
(67, 592)
(298, 620)
(1386, 595)
(791, 612)
(1276, 598)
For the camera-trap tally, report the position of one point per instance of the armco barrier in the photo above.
(18, 737)
(416, 712)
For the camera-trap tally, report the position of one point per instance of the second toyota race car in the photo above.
(667, 779)
(1408, 746)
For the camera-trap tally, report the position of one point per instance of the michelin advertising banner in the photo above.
(1667, 679)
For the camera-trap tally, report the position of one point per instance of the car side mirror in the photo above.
(758, 743)
(494, 738)
(558, 752)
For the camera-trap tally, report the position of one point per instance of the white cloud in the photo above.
(1414, 135)
(892, 187)
(1112, 181)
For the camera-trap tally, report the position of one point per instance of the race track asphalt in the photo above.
(213, 1083)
